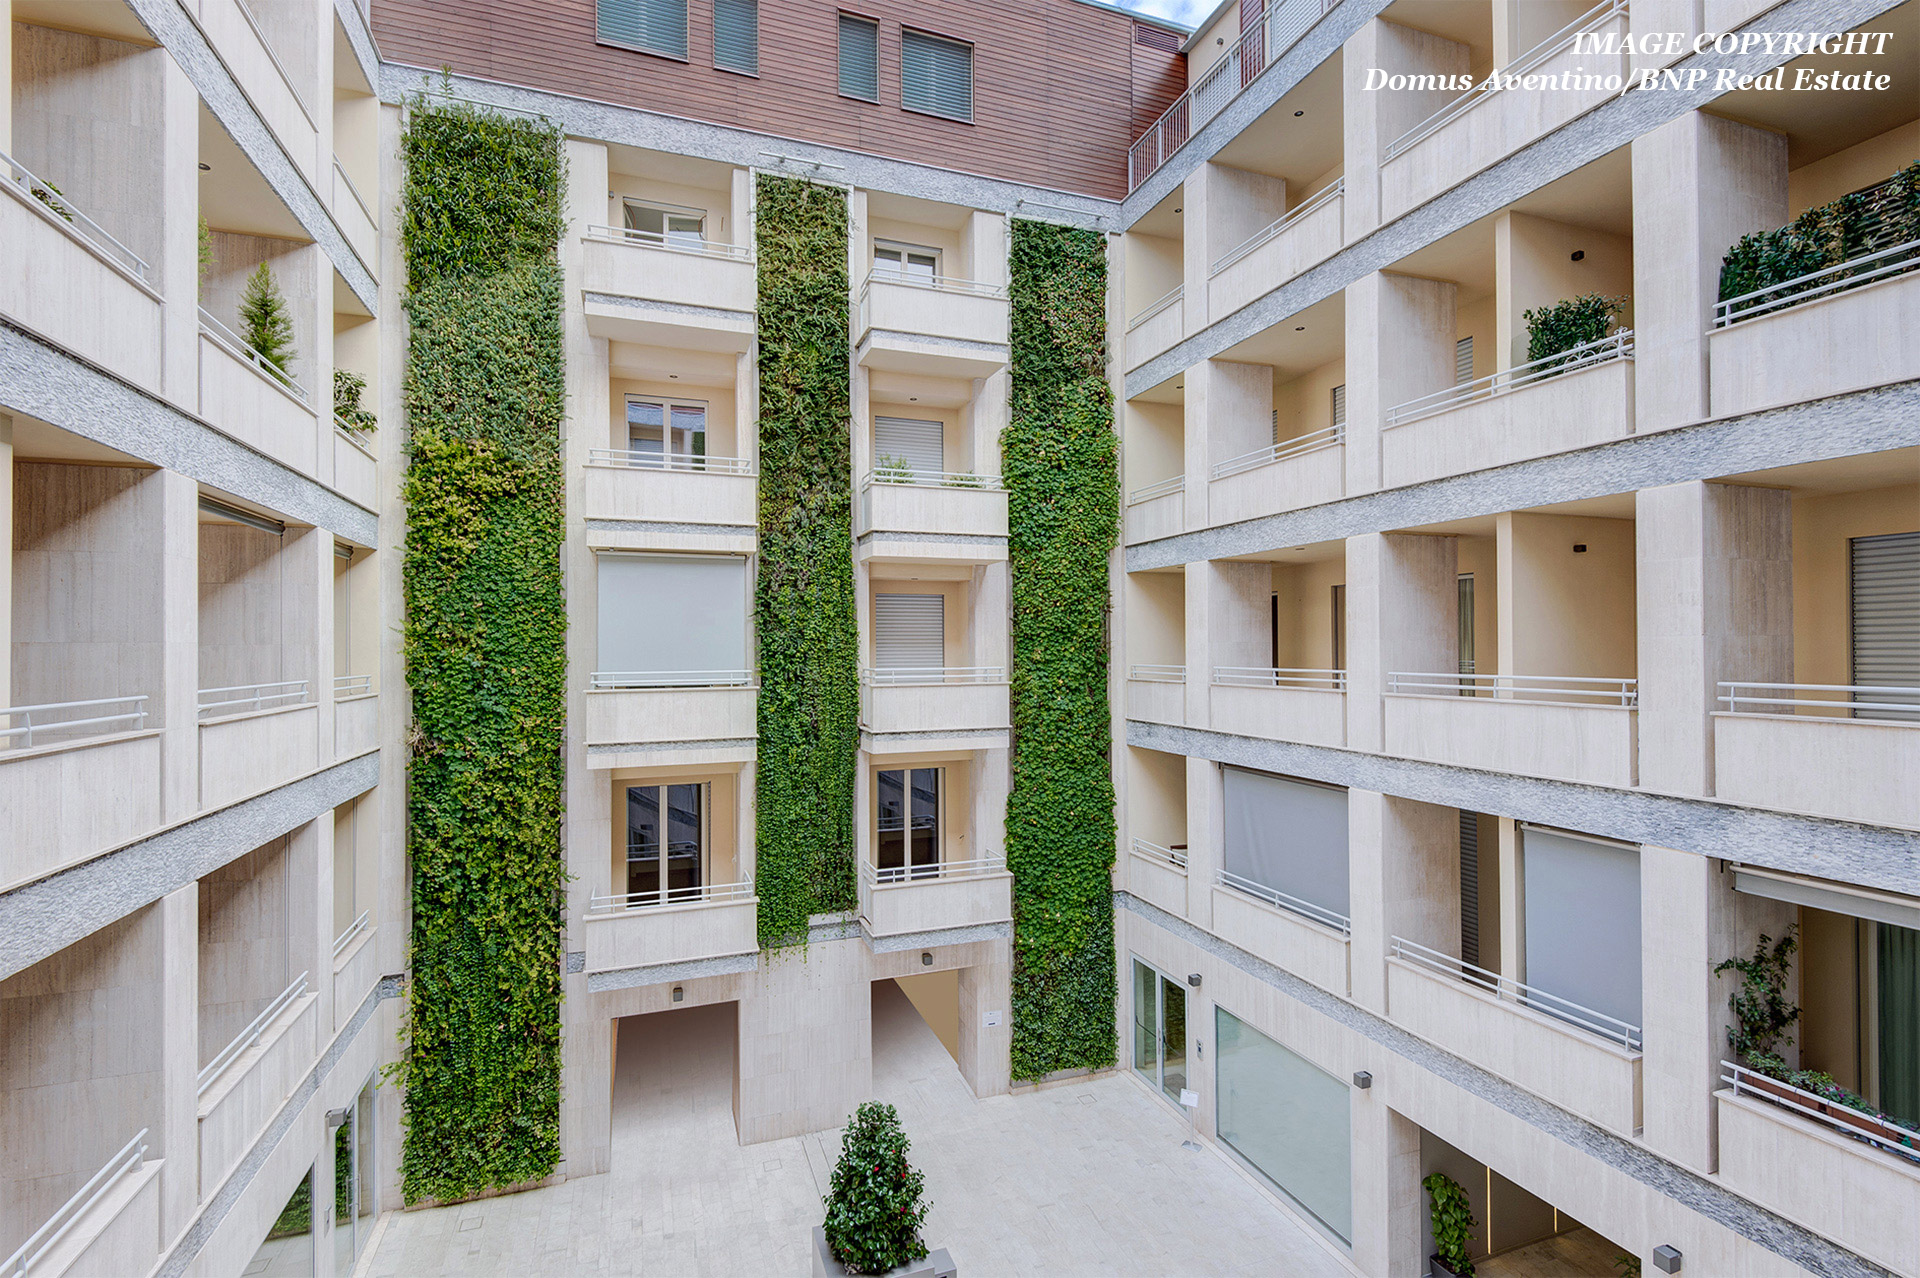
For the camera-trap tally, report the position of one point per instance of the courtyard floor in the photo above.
(1084, 1178)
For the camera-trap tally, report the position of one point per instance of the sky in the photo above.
(1186, 12)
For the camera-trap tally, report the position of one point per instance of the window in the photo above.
(1464, 643)
(1286, 1117)
(1160, 1030)
(910, 632)
(906, 448)
(859, 58)
(673, 621)
(736, 36)
(906, 263)
(907, 842)
(651, 26)
(936, 76)
(667, 434)
(669, 225)
(1286, 843)
(1580, 902)
(666, 842)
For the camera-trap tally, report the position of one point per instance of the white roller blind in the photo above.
(859, 58)
(736, 35)
(936, 75)
(658, 26)
(1582, 901)
(672, 614)
(1290, 836)
(921, 445)
(909, 632)
(1886, 619)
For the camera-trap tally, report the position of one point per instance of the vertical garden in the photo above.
(484, 644)
(1060, 458)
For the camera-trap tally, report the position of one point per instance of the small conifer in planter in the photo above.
(265, 323)
(874, 1209)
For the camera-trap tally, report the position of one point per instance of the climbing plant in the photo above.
(484, 644)
(1059, 456)
(809, 705)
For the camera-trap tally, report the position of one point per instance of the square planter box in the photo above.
(936, 1264)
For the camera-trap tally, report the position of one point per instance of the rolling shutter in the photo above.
(736, 35)
(921, 445)
(672, 614)
(1340, 405)
(936, 75)
(1470, 888)
(1886, 620)
(909, 632)
(657, 26)
(1463, 361)
(1287, 835)
(1582, 903)
(859, 58)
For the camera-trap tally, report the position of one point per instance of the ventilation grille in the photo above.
(1156, 38)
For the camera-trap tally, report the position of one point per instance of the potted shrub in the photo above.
(1453, 1224)
(874, 1207)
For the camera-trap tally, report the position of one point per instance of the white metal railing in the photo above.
(1273, 896)
(909, 477)
(254, 696)
(42, 192)
(1172, 858)
(251, 1034)
(136, 717)
(1587, 355)
(240, 350)
(939, 283)
(1149, 673)
(1743, 698)
(1306, 208)
(877, 876)
(1883, 1133)
(1865, 269)
(346, 938)
(266, 46)
(603, 679)
(705, 893)
(1164, 488)
(636, 460)
(352, 436)
(58, 1225)
(1525, 64)
(1543, 689)
(910, 676)
(352, 685)
(341, 179)
(1279, 677)
(1299, 446)
(1157, 305)
(1505, 987)
(674, 243)
(1258, 47)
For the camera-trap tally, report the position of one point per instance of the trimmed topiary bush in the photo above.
(874, 1208)
(1838, 231)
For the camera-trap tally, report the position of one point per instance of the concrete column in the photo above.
(1239, 409)
(1719, 180)
(177, 273)
(985, 417)
(1403, 862)
(6, 83)
(986, 1050)
(863, 810)
(1197, 441)
(806, 1041)
(992, 780)
(985, 243)
(1400, 334)
(1371, 121)
(1668, 17)
(1403, 604)
(306, 621)
(1714, 572)
(1240, 204)
(6, 543)
(179, 635)
(587, 1064)
(745, 823)
(1388, 1204)
(1196, 201)
(1239, 629)
(309, 879)
(178, 1136)
(740, 207)
(987, 634)
(1206, 818)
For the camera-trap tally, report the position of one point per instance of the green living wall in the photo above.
(809, 718)
(1059, 455)
(484, 645)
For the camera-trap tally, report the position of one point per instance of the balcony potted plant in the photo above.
(1453, 1224)
(874, 1205)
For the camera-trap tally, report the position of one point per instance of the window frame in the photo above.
(686, 39)
(908, 870)
(841, 17)
(667, 211)
(899, 274)
(721, 66)
(704, 860)
(667, 403)
(973, 75)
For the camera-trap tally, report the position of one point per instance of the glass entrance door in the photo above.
(1160, 1030)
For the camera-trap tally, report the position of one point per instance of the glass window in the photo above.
(907, 263)
(670, 868)
(665, 433)
(288, 1247)
(936, 75)
(1286, 1117)
(654, 26)
(664, 223)
(859, 58)
(736, 36)
(908, 833)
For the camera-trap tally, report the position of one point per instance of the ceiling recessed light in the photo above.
(913, 399)
(1299, 328)
(205, 167)
(1298, 114)
(1179, 210)
(674, 376)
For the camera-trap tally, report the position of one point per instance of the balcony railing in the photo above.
(908, 477)
(61, 1223)
(346, 938)
(1331, 437)
(49, 718)
(352, 685)
(1872, 1129)
(354, 435)
(607, 679)
(1173, 858)
(939, 283)
(1881, 700)
(1273, 896)
(240, 350)
(1883, 264)
(1159, 304)
(252, 697)
(669, 461)
(1162, 489)
(1258, 47)
(251, 1034)
(1279, 677)
(1157, 674)
(874, 874)
(671, 242)
(43, 193)
(1535, 689)
(1611, 347)
(1599, 1023)
(1321, 198)
(702, 894)
(1525, 64)
(340, 179)
(918, 676)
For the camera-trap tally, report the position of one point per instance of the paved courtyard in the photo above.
(1087, 1178)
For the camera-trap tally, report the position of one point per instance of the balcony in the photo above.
(1848, 1176)
(1309, 706)
(1157, 510)
(670, 488)
(1306, 939)
(356, 716)
(1309, 233)
(67, 278)
(1488, 123)
(932, 324)
(356, 471)
(668, 290)
(1577, 1058)
(254, 737)
(1566, 728)
(1578, 398)
(76, 778)
(1304, 471)
(249, 399)
(241, 1088)
(678, 926)
(670, 707)
(932, 898)
(230, 28)
(1158, 874)
(354, 218)
(1858, 315)
(935, 699)
(935, 503)
(1157, 694)
(1799, 747)
(1158, 328)
(356, 968)
(110, 1226)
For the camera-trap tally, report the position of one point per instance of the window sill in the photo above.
(937, 115)
(681, 58)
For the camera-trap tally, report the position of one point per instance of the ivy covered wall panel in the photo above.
(1060, 458)
(485, 627)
